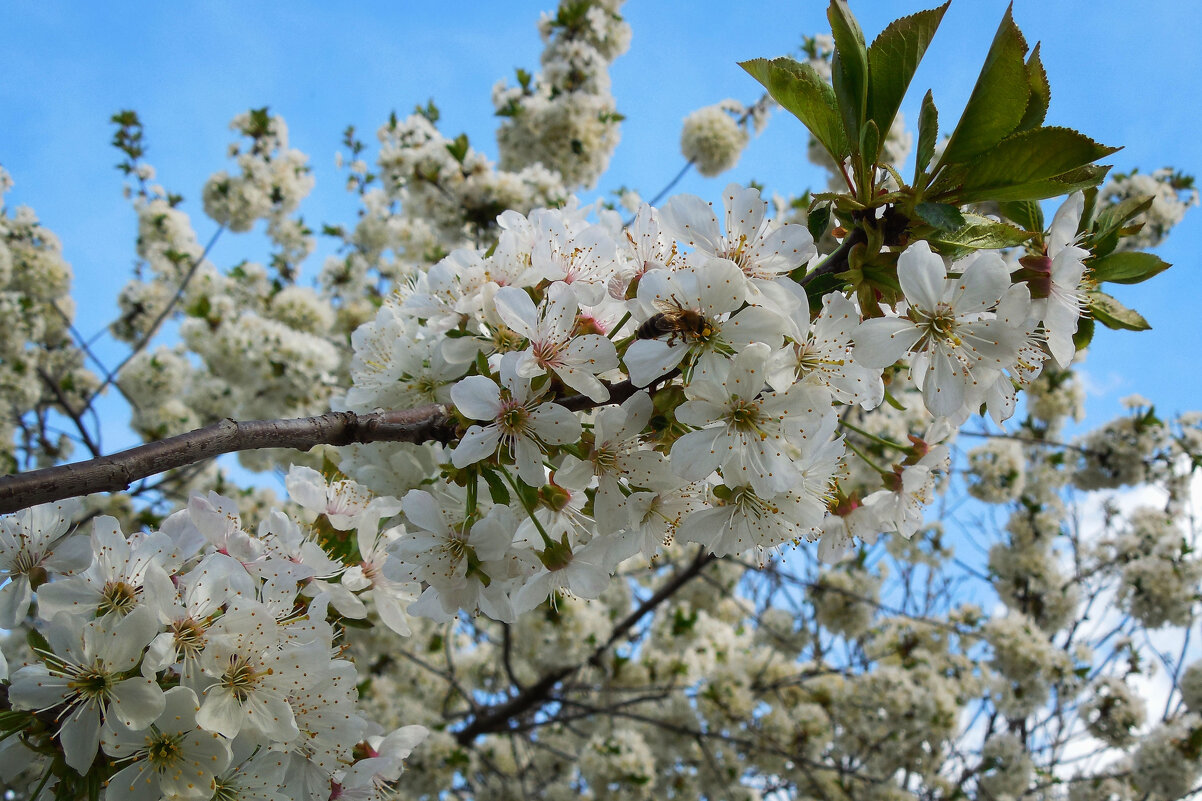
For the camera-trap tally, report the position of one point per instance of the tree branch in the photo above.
(115, 473)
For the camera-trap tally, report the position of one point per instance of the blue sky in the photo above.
(1123, 76)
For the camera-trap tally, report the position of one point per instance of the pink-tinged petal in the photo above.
(80, 737)
(694, 456)
(136, 702)
(922, 275)
(881, 341)
(555, 424)
(477, 397)
(478, 442)
(981, 285)
(648, 359)
(943, 386)
(691, 220)
(517, 310)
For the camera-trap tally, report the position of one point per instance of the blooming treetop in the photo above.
(607, 391)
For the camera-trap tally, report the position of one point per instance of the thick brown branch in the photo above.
(497, 718)
(115, 473)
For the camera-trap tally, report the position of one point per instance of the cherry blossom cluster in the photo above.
(40, 366)
(728, 431)
(203, 659)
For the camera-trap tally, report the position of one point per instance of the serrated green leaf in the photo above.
(1128, 267)
(978, 233)
(1112, 314)
(943, 216)
(1024, 213)
(1041, 93)
(998, 100)
(849, 68)
(892, 59)
(1115, 217)
(928, 132)
(1020, 160)
(801, 91)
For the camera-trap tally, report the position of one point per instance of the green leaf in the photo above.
(943, 216)
(1020, 160)
(892, 59)
(496, 487)
(801, 91)
(849, 68)
(978, 233)
(1041, 93)
(818, 219)
(458, 148)
(1104, 236)
(1112, 314)
(870, 142)
(928, 132)
(998, 100)
(1128, 268)
(1084, 335)
(1024, 213)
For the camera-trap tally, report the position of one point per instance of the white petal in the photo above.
(922, 275)
(477, 397)
(479, 442)
(883, 340)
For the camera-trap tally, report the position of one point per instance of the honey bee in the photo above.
(676, 321)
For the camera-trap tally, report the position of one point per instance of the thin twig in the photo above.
(497, 718)
(111, 375)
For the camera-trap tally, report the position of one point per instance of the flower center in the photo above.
(92, 683)
(513, 417)
(744, 416)
(189, 637)
(117, 597)
(240, 678)
(164, 752)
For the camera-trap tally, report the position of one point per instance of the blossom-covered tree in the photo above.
(588, 501)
